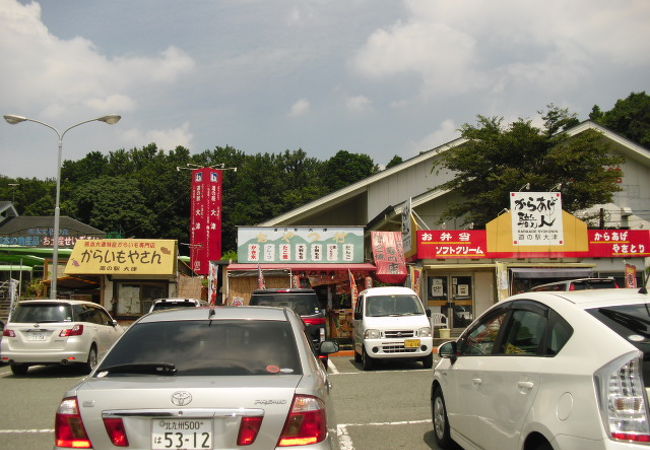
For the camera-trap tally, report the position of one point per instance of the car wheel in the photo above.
(427, 361)
(440, 420)
(357, 357)
(91, 363)
(366, 360)
(542, 445)
(19, 369)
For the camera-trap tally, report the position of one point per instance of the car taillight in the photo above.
(76, 330)
(314, 320)
(248, 430)
(8, 333)
(116, 431)
(69, 431)
(306, 423)
(623, 400)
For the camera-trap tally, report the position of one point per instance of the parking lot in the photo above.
(387, 408)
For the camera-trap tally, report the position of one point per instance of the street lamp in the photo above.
(13, 119)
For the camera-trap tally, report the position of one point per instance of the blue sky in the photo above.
(380, 77)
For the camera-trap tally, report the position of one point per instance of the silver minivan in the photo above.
(57, 332)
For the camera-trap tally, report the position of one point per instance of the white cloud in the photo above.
(300, 108)
(52, 75)
(164, 139)
(453, 48)
(358, 103)
(447, 131)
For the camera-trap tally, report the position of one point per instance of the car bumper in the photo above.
(44, 357)
(397, 348)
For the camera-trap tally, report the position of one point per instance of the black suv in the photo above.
(304, 302)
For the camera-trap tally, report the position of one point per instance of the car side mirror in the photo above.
(114, 322)
(357, 316)
(327, 347)
(448, 350)
(428, 312)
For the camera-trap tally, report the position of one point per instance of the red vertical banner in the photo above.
(630, 276)
(206, 219)
(354, 290)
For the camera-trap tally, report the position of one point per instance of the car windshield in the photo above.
(42, 312)
(393, 305)
(218, 347)
(303, 305)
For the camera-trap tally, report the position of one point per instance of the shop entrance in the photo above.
(452, 296)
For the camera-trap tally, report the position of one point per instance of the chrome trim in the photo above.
(189, 412)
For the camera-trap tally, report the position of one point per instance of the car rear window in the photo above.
(301, 304)
(42, 312)
(633, 323)
(171, 305)
(218, 347)
(594, 284)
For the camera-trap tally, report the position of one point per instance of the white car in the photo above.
(169, 303)
(57, 332)
(548, 370)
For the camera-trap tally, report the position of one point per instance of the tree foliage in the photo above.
(629, 117)
(498, 159)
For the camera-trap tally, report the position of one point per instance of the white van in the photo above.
(391, 322)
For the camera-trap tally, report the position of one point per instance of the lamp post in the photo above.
(13, 119)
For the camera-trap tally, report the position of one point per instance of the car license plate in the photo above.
(411, 343)
(35, 336)
(188, 434)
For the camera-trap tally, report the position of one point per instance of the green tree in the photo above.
(395, 161)
(498, 159)
(346, 168)
(629, 117)
(112, 204)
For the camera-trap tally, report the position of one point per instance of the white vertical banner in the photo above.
(407, 227)
(536, 218)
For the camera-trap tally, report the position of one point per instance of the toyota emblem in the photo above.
(181, 398)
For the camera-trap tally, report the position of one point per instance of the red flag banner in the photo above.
(260, 278)
(388, 252)
(354, 290)
(630, 276)
(205, 222)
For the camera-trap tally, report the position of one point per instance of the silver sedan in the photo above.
(204, 378)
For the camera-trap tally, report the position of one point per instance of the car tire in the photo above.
(91, 363)
(542, 445)
(19, 369)
(427, 361)
(440, 419)
(366, 361)
(357, 357)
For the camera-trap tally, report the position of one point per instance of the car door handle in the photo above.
(525, 385)
(477, 381)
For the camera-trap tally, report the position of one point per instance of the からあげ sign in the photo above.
(123, 257)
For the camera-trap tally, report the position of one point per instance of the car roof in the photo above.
(590, 298)
(388, 290)
(163, 300)
(57, 300)
(287, 290)
(220, 313)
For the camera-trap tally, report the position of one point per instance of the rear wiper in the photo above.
(154, 368)
(634, 323)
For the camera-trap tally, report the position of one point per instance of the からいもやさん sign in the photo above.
(123, 257)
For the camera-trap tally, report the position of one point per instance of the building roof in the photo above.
(628, 148)
(18, 225)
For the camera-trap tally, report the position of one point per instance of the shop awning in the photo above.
(298, 267)
(552, 272)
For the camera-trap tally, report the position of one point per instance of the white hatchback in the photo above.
(57, 332)
(548, 370)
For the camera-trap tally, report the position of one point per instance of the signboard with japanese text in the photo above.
(619, 243)
(388, 254)
(123, 257)
(206, 218)
(536, 218)
(44, 239)
(407, 227)
(451, 244)
(309, 245)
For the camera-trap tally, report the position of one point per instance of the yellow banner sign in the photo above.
(123, 257)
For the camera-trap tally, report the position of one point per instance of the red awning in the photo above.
(295, 266)
(388, 251)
